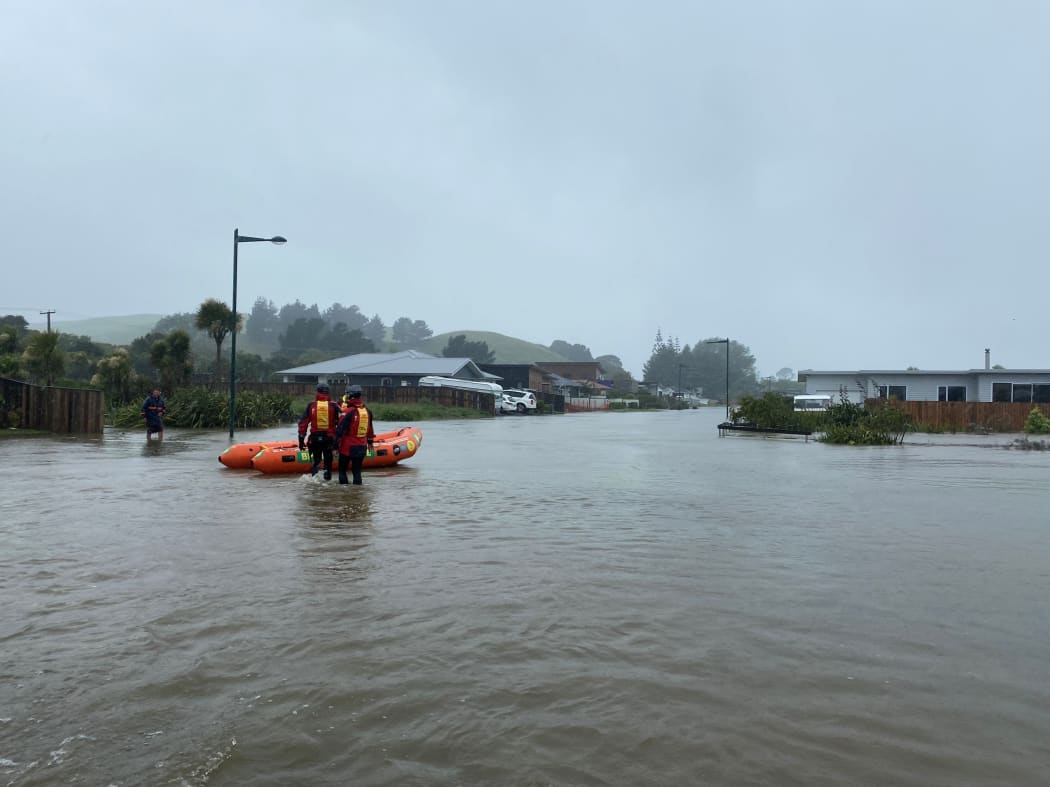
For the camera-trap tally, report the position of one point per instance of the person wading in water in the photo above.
(320, 417)
(153, 411)
(354, 434)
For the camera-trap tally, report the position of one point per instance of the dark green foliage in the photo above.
(313, 337)
(171, 356)
(348, 315)
(571, 352)
(459, 347)
(422, 411)
(770, 411)
(409, 334)
(291, 312)
(216, 319)
(1036, 423)
(116, 377)
(263, 325)
(775, 411)
(344, 340)
(302, 335)
(702, 367)
(375, 332)
(198, 408)
(43, 358)
(10, 366)
(847, 423)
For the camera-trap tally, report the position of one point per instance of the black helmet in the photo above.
(353, 391)
(322, 388)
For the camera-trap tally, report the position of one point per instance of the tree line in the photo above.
(701, 367)
(187, 346)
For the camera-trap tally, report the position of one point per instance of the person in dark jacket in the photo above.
(354, 434)
(153, 411)
(320, 418)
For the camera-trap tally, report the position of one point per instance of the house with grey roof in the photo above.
(917, 385)
(385, 369)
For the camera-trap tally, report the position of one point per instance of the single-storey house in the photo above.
(390, 369)
(916, 385)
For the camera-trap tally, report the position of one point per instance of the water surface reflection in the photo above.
(611, 599)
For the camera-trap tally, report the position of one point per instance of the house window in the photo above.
(898, 392)
(951, 393)
(387, 381)
(1020, 392)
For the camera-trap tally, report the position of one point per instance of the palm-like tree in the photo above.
(171, 355)
(43, 358)
(115, 375)
(215, 318)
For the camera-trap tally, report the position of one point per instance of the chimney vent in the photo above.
(987, 358)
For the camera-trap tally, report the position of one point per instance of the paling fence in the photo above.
(968, 416)
(586, 404)
(50, 408)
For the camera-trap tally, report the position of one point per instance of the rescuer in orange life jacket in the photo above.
(354, 434)
(320, 417)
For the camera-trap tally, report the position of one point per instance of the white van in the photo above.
(432, 381)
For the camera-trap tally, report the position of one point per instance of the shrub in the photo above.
(1036, 423)
(775, 411)
(848, 423)
(198, 408)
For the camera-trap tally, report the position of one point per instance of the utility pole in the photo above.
(49, 313)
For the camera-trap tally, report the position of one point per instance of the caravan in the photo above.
(481, 386)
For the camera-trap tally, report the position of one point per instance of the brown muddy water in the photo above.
(578, 600)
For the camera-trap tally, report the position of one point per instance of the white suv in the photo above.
(517, 400)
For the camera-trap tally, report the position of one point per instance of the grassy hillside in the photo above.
(110, 330)
(507, 349)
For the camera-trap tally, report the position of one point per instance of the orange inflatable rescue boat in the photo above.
(239, 456)
(389, 448)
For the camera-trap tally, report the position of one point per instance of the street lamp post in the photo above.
(680, 379)
(724, 341)
(237, 240)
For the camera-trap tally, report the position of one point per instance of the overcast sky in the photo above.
(837, 184)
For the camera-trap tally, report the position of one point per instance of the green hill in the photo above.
(110, 330)
(506, 348)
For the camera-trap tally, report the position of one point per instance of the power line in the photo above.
(49, 312)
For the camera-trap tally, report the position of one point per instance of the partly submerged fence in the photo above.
(51, 409)
(967, 416)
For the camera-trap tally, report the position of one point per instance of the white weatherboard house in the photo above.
(916, 385)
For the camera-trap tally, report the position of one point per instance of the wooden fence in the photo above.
(968, 416)
(51, 409)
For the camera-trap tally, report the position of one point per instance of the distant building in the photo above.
(520, 375)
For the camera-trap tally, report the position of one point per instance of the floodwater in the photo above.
(602, 599)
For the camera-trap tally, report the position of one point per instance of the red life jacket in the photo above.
(356, 423)
(324, 416)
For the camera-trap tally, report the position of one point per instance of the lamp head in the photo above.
(278, 240)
